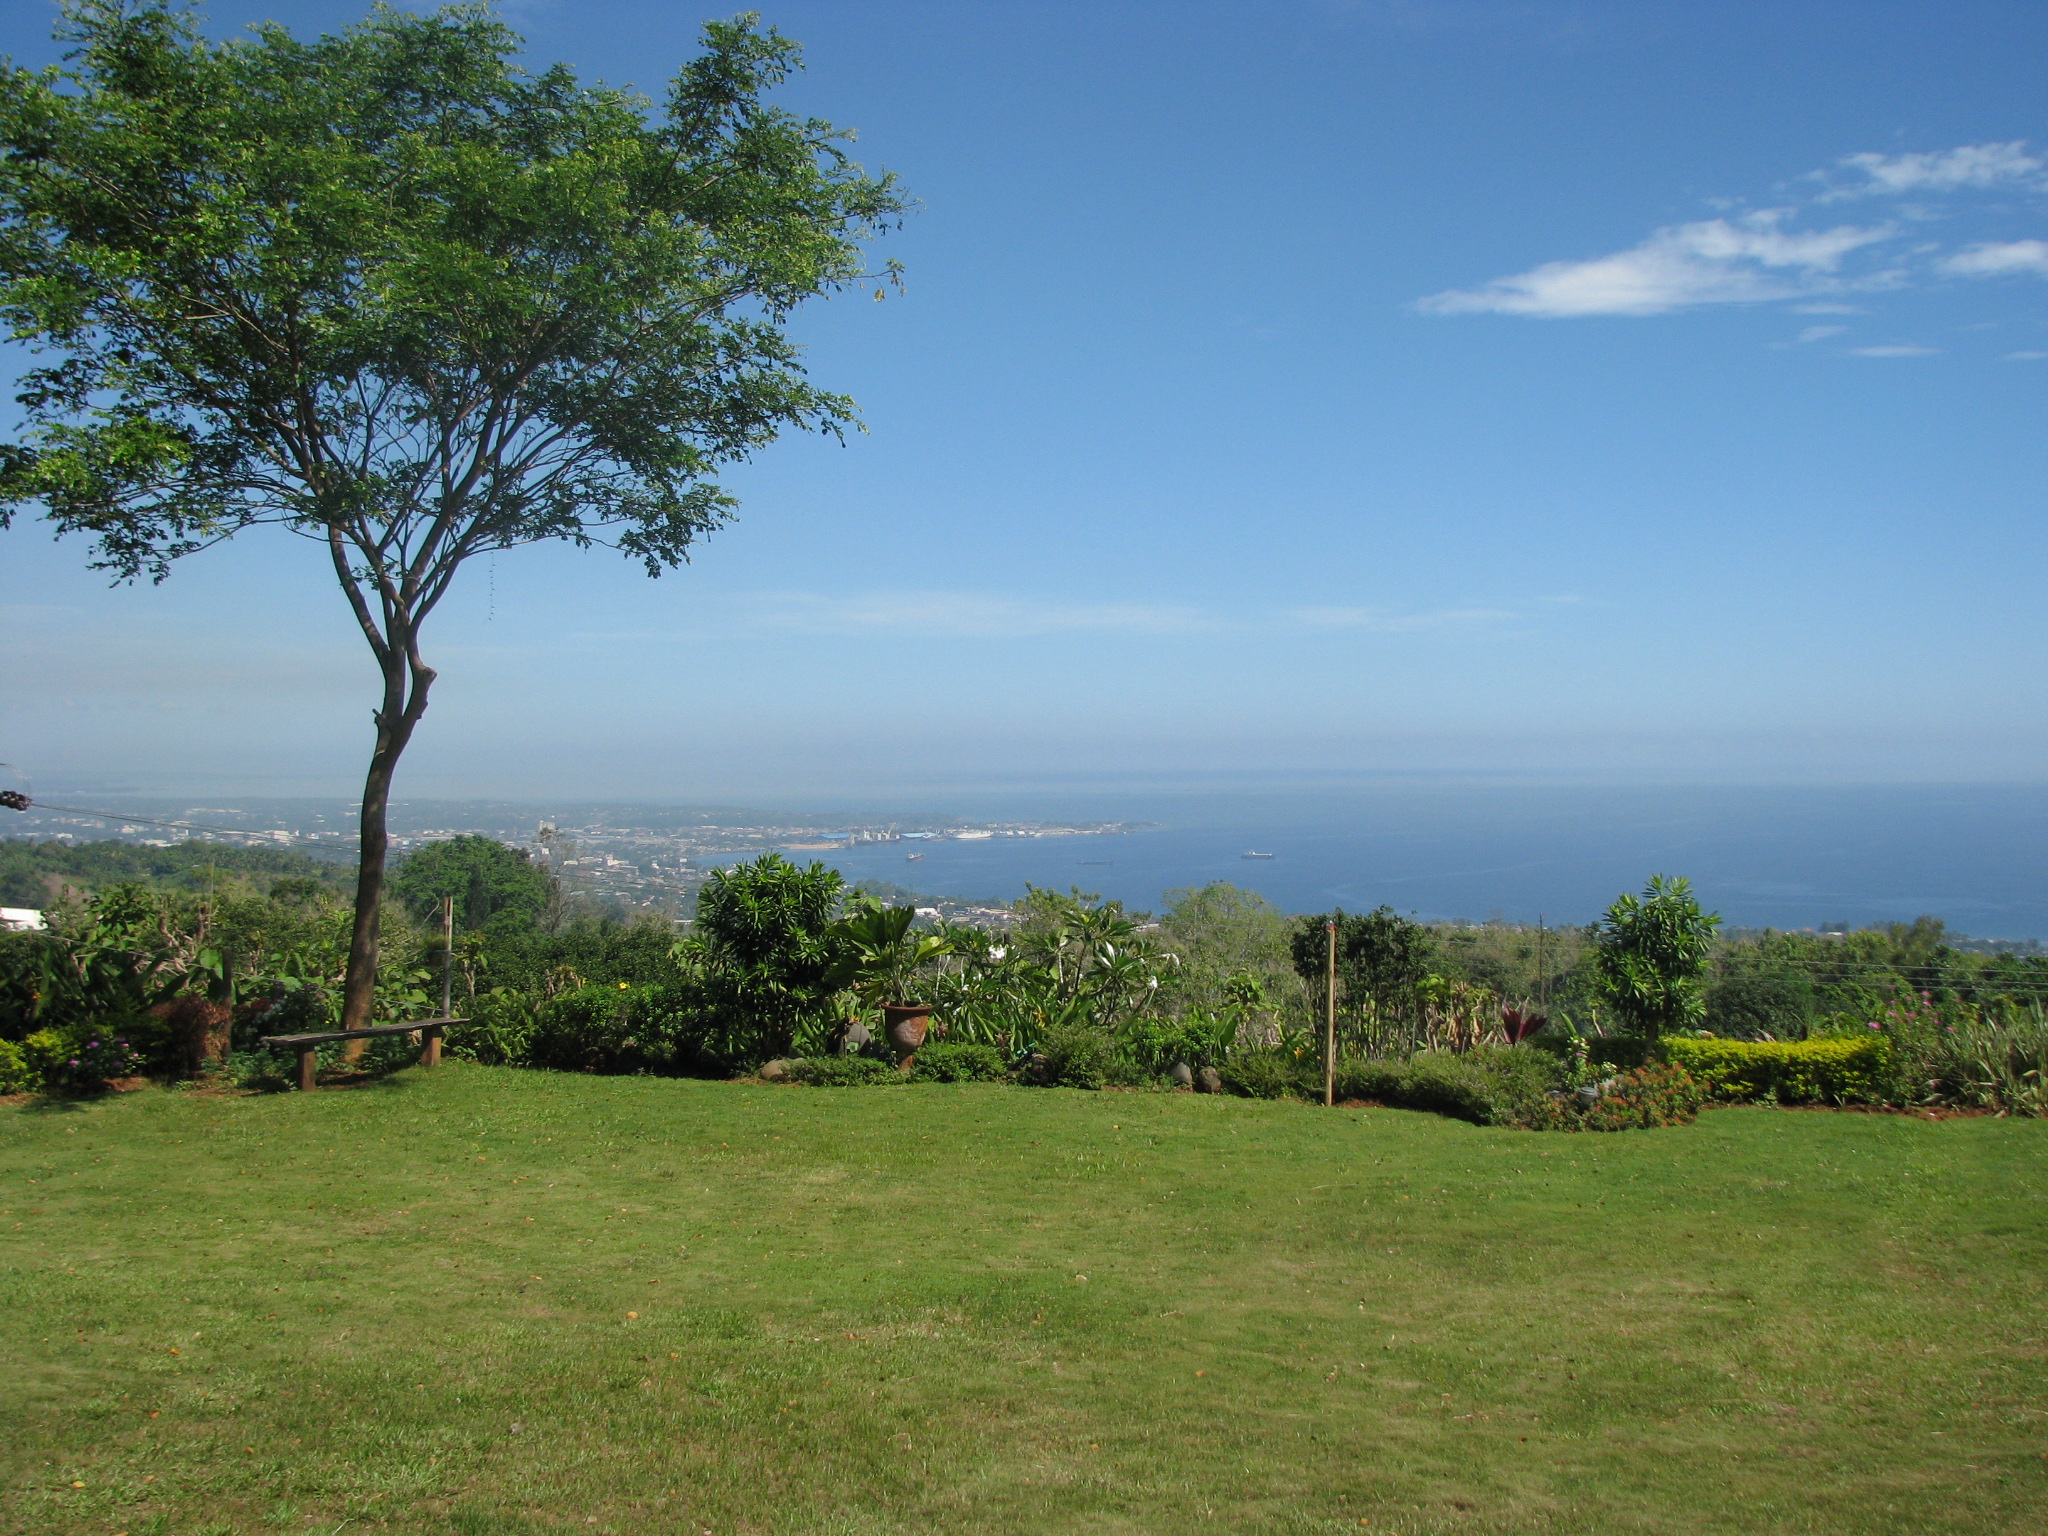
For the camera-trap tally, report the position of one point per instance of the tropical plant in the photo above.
(1650, 954)
(494, 885)
(762, 954)
(881, 957)
(390, 292)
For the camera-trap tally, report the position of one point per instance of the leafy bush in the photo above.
(1825, 1071)
(843, 1071)
(618, 1028)
(1657, 1095)
(89, 1064)
(1753, 1006)
(962, 1063)
(1072, 1056)
(499, 1031)
(1269, 1074)
(1493, 1085)
(16, 1076)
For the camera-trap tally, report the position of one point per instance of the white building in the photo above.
(21, 920)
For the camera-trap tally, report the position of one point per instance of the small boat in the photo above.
(912, 858)
(1258, 855)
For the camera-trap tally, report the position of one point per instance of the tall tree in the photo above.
(392, 293)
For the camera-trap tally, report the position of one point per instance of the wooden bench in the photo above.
(429, 1031)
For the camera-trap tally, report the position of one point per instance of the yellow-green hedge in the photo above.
(1846, 1070)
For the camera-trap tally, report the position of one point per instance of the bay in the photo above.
(1783, 857)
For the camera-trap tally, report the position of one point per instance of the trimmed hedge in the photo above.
(1843, 1070)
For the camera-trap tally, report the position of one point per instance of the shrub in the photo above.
(1073, 1056)
(616, 1028)
(16, 1076)
(89, 1064)
(1494, 1085)
(1826, 1071)
(1269, 1074)
(843, 1071)
(1750, 1006)
(499, 1032)
(961, 1063)
(1656, 1095)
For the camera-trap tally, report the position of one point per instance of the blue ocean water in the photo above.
(1972, 855)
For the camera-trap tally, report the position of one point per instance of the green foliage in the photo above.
(617, 1028)
(1826, 1071)
(32, 873)
(1229, 949)
(1270, 1073)
(16, 1075)
(878, 956)
(1383, 960)
(1659, 1094)
(841, 1072)
(958, 1062)
(494, 886)
(1494, 1085)
(1072, 1056)
(1753, 1005)
(765, 950)
(1651, 953)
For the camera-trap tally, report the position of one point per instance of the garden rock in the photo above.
(1208, 1080)
(1182, 1075)
(773, 1072)
(854, 1038)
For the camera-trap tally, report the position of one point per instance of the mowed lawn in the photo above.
(491, 1301)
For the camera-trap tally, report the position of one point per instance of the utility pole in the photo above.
(1330, 1018)
(1542, 980)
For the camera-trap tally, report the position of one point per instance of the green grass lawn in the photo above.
(492, 1301)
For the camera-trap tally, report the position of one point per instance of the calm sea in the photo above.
(1972, 855)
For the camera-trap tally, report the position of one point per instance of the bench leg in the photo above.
(430, 1053)
(309, 1059)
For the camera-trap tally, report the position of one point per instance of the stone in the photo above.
(1181, 1074)
(854, 1037)
(773, 1071)
(1208, 1080)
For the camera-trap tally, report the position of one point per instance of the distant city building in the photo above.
(21, 920)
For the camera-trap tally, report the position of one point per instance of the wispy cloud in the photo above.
(1945, 170)
(1996, 258)
(1764, 257)
(1897, 349)
(1821, 332)
(1716, 261)
(2024, 357)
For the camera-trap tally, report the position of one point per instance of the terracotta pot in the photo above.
(904, 1026)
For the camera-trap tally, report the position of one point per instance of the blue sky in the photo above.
(1615, 390)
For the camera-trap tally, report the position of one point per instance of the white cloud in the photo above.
(2024, 357)
(1999, 258)
(1896, 350)
(1947, 170)
(1715, 261)
(1821, 332)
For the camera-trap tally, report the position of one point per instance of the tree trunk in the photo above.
(395, 722)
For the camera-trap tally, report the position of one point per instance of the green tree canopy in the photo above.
(495, 886)
(1382, 956)
(1650, 954)
(392, 293)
